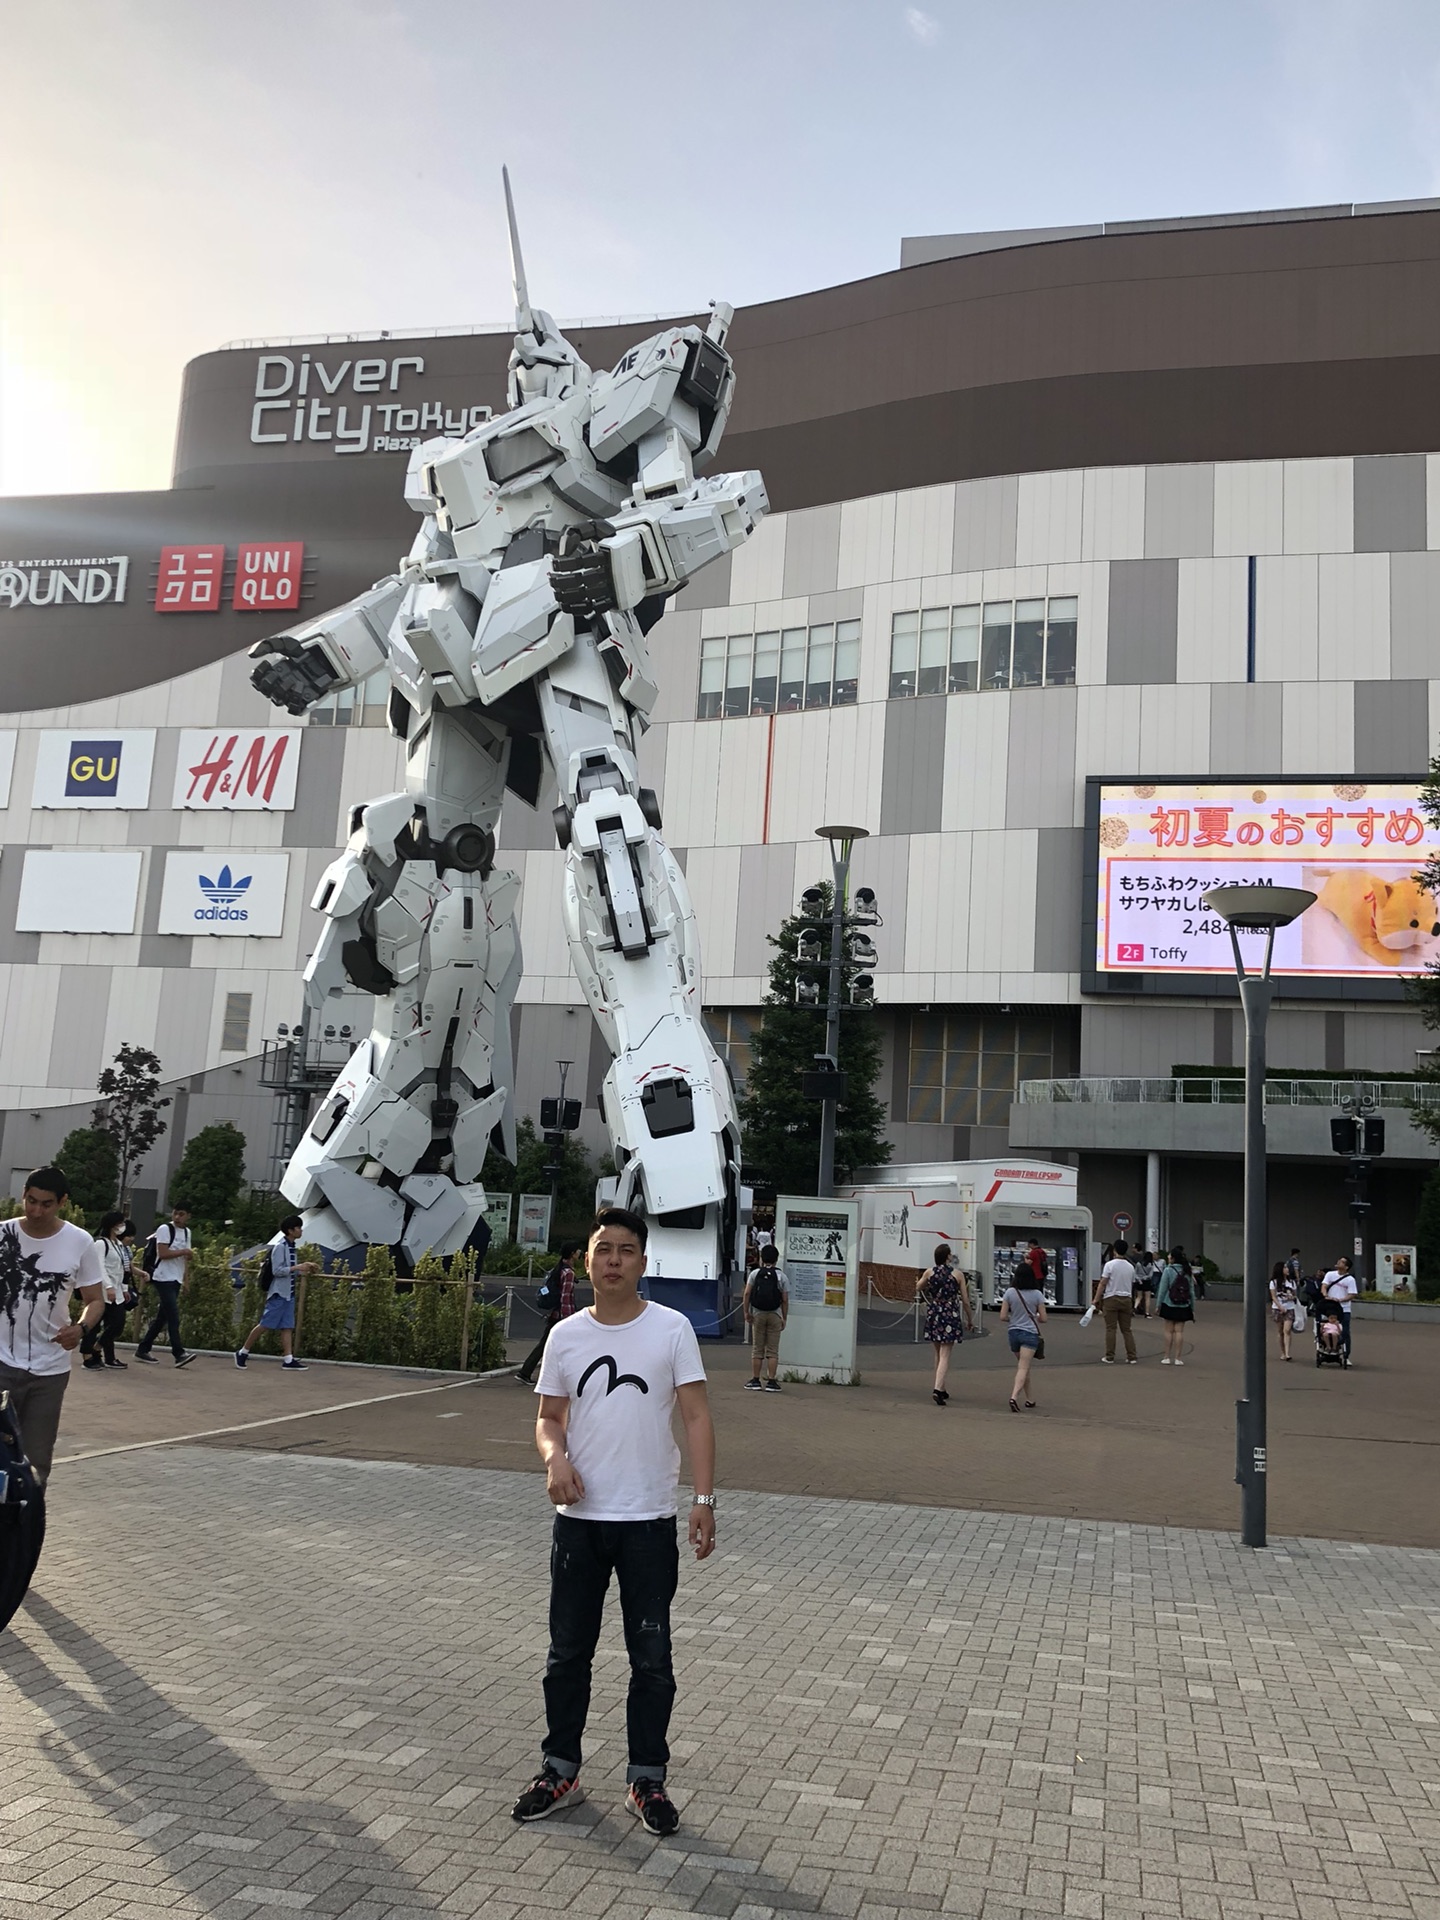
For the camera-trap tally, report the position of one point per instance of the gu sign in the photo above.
(238, 770)
(105, 768)
(58, 583)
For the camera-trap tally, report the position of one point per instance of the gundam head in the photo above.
(543, 364)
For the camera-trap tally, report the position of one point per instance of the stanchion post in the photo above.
(300, 1314)
(465, 1325)
(509, 1303)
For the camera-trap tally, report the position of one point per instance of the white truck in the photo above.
(987, 1210)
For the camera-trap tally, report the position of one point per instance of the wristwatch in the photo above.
(703, 1500)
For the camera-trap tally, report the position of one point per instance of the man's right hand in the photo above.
(563, 1483)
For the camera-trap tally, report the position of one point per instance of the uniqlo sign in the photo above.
(189, 580)
(267, 576)
(243, 770)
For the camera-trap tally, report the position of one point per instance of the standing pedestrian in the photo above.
(947, 1314)
(113, 1240)
(167, 1261)
(1175, 1303)
(609, 1382)
(278, 1273)
(1114, 1294)
(557, 1298)
(1023, 1309)
(1144, 1264)
(766, 1306)
(1284, 1299)
(1340, 1289)
(43, 1260)
(1295, 1267)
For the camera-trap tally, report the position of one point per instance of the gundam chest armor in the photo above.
(513, 634)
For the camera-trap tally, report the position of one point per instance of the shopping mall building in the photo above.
(1105, 563)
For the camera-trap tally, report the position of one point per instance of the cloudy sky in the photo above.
(176, 174)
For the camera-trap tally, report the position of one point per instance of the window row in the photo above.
(966, 1068)
(781, 671)
(364, 706)
(985, 647)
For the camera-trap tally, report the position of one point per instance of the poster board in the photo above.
(819, 1253)
(533, 1233)
(499, 1210)
(1394, 1271)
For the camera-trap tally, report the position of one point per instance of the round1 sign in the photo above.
(1121, 1222)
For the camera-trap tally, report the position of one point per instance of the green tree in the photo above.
(781, 1126)
(92, 1166)
(1427, 1240)
(211, 1174)
(130, 1108)
(575, 1201)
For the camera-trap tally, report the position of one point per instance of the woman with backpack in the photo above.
(556, 1300)
(1175, 1303)
(947, 1314)
(113, 1240)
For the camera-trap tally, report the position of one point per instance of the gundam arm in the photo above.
(658, 545)
(337, 649)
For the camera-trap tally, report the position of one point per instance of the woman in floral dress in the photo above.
(947, 1314)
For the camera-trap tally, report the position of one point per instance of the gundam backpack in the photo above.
(765, 1294)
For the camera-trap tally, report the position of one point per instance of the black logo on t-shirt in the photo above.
(616, 1379)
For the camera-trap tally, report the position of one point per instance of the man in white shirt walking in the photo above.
(43, 1260)
(279, 1273)
(1340, 1288)
(1115, 1296)
(170, 1250)
(610, 1378)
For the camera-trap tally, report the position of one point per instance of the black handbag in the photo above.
(22, 1515)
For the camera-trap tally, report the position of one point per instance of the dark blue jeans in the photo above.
(167, 1318)
(644, 1555)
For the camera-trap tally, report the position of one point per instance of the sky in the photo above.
(176, 174)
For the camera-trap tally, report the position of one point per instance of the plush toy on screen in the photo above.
(513, 636)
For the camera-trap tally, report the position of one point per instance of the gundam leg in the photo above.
(633, 942)
(417, 915)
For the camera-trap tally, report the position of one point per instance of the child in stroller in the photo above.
(1329, 1327)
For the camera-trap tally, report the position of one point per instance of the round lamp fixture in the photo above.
(1254, 909)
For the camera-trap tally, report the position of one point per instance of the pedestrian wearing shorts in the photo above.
(278, 1275)
(609, 1383)
(766, 1305)
(1023, 1311)
(1175, 1303)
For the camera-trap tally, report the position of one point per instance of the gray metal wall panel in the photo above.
(1334, 1043)
(240, 705)
(1179, 512)
(17, 948)
(812, 551)
(1144, 1042)
(651, 750)
(914, 770)
(1415, 616)
(597, 1065)
(675, 650)
(1040, 765)
(1390, 503)
(160, 949)
(1245, 727)
(1144, 611)
(1059, 865)
(1392, 726)
(314, 819)
(551, 1034)
(157, 821)
(187, 1014)
(709, 588)
(985, 518)
(1223, 1045)
(81, 1006)
(848, 603)
(767, 895)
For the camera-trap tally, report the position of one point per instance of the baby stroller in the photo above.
(1329, 1345)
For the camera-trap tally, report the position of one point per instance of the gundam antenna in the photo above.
(524, 319)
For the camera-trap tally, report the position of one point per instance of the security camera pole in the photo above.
(1251, 909)
(842, 840)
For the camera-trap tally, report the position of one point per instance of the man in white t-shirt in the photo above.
(1115, 1296)
(1339, 1286)
(169, 1277)
(43, 1260)
(610, 1378)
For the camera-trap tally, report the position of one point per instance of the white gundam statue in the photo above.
(551, 538)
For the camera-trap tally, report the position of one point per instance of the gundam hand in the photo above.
(291, 675)
(584, 581)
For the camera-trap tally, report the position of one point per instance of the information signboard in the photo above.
(819, 1245)
(533, 1233)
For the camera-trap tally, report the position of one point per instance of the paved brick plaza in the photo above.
(252, 1683)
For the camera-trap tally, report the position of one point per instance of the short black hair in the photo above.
(768, 1256)
(179, 1206)
(620, 1217)
(291, 1220)
(942, 1254)
(48, 1180)
(569, 1248)
(111, 1220)
(1122, 1247)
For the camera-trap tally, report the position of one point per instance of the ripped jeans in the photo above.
(645, 1557)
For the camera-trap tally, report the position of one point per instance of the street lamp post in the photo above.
(1252, 909)
(842, 841)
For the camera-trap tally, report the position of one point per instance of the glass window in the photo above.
(995, 646)
(934, 650)
(820, 676)
(792, 670)
(235, 1028)
(767, 673)
(966, 1068)
(712, 679)
(737, 675)
(847, 663)
(964, 648)
(904, 653)
(1060, 643)
(1029, 660)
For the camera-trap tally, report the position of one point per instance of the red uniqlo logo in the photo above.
(267, 575)
(1124, 952)
(189, 580)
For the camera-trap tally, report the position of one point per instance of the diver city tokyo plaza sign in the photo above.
(64, 583)
(352, 407)
(239, 895)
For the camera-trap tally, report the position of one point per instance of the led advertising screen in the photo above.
(1355, 844)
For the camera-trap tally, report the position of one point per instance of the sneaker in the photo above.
(547, 1791)
(1165, 1361)
(93, 1364)
(242, 1358)
(183, 1359)
(148, 1359)
(754, 1386)
(1106, 1361)
(772, 1386)
(1179, 1363)
(292, 1366)
(652, 1806)
(121, 1364)
(1132, 1363)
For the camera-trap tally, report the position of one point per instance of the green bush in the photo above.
(375, 1317)
(1427, 1240)
(323, 1332)
(207, 1305)
(510, 1258)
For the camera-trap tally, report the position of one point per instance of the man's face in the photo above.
(1342, 1265)
(181, 1217)
(292, 1234)
(615, 1263)
(42, 1208)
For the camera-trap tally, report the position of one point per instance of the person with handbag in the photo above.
(556, 1297)
(98, 1347)
(1023, 1311)
(1284, 1303)
(947, 1315)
